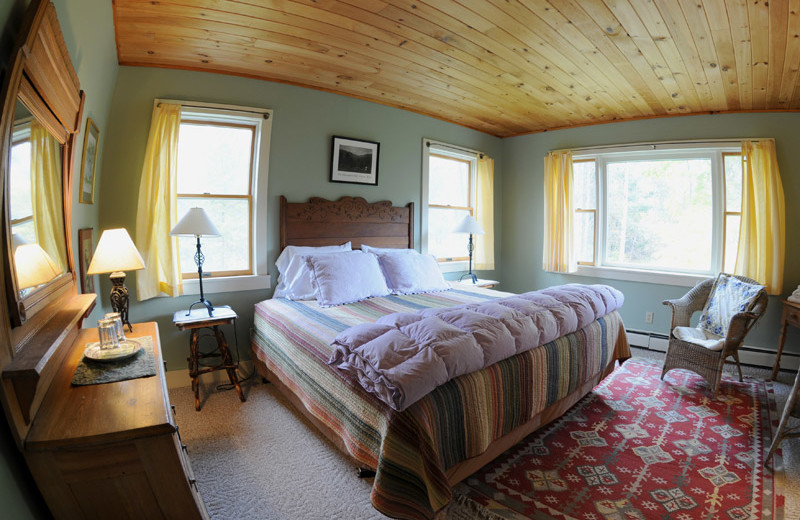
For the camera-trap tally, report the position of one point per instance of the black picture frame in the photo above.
(354, 161)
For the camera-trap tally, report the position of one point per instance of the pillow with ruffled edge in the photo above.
(345, 277)
(412, 274)
(294, 278)
(728, 297)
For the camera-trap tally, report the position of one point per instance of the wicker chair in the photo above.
(699, 359)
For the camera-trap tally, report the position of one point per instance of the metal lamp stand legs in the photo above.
(198, 259)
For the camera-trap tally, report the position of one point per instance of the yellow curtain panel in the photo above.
(762, 240)
(48, 214)
(157, 210)
(558, 254)
(484, 214)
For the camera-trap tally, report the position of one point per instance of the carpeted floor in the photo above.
(261, 460)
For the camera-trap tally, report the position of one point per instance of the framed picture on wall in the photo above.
(86, 248)
(354, 161)
(89, 162)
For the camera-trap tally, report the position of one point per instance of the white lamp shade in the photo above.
(115, 252)
(469, 225)
(34, 266)
(195, 224)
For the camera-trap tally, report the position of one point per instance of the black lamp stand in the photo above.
(470, 248)
(119, 297)
(198, 259)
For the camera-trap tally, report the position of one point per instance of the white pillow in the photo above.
(345, 277)
(294, 279)
(385, 250)
(411, 274)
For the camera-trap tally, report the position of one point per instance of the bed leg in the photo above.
(365, 473)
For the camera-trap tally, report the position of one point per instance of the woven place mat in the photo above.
(143, 364)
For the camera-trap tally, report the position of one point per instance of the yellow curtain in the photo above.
(484, 214)
(47, 203)
(763, 227)
(157, 210)
(559, 254)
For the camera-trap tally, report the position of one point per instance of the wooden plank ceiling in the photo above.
(505, 67)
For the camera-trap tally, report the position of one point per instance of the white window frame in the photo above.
(711, 150)
(430, 146)
(215, 112)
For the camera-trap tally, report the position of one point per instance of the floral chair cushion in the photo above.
(728, 297)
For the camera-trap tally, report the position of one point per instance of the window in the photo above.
(21, 204)
(672, 211)
(449, 191)
(221, 167)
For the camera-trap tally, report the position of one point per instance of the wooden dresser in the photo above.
(111, 450)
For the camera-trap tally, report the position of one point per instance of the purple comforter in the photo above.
(403, 356)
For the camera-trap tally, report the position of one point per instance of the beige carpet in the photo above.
(261, 460)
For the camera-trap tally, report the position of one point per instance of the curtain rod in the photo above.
(266, 112)
(738, 142)
(429, 142)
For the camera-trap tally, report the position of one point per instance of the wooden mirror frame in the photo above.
(35, 331)
(42, 77)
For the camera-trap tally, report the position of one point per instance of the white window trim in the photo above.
(457, 152)
(684, 279)
(261, 278)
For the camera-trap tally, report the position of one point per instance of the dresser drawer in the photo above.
(791, 315)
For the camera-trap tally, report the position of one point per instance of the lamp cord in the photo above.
(229, 386)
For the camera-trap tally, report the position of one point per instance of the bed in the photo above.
(420, 453)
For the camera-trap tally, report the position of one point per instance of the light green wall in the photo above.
(523, 214)
(299, 165)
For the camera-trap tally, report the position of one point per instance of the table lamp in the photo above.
(115, 254)
(32, 264)
(197, 224)
(471, 226)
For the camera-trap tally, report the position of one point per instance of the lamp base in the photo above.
(119, 297)
(471, 275)
(203, 301)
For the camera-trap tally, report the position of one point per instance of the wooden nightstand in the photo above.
(790, 316)
(199, 319)
(484, 284)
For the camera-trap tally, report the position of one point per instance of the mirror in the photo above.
(36, 216)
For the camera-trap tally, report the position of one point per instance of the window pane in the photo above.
(732, 223)
(214, 159)
(733, 182)
(26, 231)
(448, 180)
(229, 252)
(442, 242)
(660, 214)
(584, 237)
(20, 181)
(585, 181)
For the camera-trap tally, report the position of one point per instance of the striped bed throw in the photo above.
(413, 449)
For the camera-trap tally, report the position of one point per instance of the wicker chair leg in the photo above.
(738, 365)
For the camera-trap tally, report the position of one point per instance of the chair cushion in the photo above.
(698, 337)
(728, 297)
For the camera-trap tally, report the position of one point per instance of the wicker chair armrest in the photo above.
(683, 308)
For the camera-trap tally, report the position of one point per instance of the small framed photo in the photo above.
(86, 246)
(354, 161)
(89, 162)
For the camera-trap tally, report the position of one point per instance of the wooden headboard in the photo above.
(322, 222)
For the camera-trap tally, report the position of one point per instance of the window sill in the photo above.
(454, 267)
(228, 284)
(633, 275)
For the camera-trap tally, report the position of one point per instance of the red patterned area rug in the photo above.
(637, 447)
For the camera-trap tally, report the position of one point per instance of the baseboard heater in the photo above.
(748, 355)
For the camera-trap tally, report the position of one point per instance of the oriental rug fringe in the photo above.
(637, 447)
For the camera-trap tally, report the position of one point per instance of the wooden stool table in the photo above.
(199, 319)
(790, 316)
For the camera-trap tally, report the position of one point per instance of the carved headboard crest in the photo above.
(351, 208)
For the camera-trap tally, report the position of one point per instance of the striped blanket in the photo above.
(413, 449)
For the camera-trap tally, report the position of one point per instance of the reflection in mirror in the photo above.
(35, 203)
